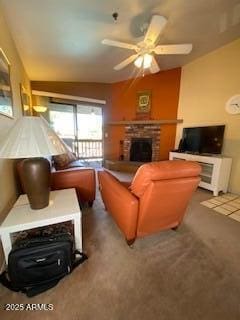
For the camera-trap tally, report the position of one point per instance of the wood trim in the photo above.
(66, 96)
(126, 122)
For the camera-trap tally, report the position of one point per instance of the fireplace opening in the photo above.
(141, 149)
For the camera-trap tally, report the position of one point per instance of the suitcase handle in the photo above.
(6, 282)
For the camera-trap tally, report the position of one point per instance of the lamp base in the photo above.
(35, 176)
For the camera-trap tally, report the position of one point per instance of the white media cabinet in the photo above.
(215, 170)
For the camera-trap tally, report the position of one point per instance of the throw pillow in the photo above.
(61, 161)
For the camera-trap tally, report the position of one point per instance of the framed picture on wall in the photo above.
(143, 104)
(6, 101)
(25, 101)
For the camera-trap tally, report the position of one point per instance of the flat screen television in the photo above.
(201, 140)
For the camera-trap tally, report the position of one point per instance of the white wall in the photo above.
(206, 85)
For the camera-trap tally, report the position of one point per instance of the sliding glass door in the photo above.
(62, 120)
(80, 126)
(89, 132)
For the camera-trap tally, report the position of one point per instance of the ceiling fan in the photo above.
(145, 50)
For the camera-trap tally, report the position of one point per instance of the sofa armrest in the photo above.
(82, 179)
(120, 203)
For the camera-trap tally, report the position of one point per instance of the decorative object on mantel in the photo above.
(233, 104)
(143, 105)
(25, 100)
(6, 101)
(31, 139)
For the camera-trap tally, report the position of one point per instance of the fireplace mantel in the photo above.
(127, 122)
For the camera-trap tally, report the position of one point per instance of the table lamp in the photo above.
(32, 139)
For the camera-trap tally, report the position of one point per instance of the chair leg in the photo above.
(130, 242)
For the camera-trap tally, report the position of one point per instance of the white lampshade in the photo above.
(31, 137)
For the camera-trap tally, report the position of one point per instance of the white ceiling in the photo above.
(60, 40)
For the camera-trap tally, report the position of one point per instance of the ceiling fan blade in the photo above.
(154, 66)
(125, 62)
(173, 49)
(156, 26)
(119, 44)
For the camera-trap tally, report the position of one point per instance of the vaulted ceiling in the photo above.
(60, 40)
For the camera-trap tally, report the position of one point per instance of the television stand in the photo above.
(215, 170)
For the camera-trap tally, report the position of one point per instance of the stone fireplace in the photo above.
(141, 142)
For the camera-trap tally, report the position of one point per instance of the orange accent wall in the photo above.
(121, 100)
(165, 88)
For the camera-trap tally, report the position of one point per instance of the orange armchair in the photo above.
(156, 199)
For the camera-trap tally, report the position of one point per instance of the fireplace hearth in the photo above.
(141, 149)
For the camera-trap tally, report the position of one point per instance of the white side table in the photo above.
(63, 206)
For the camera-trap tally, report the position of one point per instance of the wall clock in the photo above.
(233, 104)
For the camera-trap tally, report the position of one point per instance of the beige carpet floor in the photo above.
(191, 274)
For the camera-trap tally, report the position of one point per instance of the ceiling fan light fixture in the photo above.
(144, 61)
(138, 62)
(147, 60)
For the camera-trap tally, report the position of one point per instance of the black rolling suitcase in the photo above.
(37, 264)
